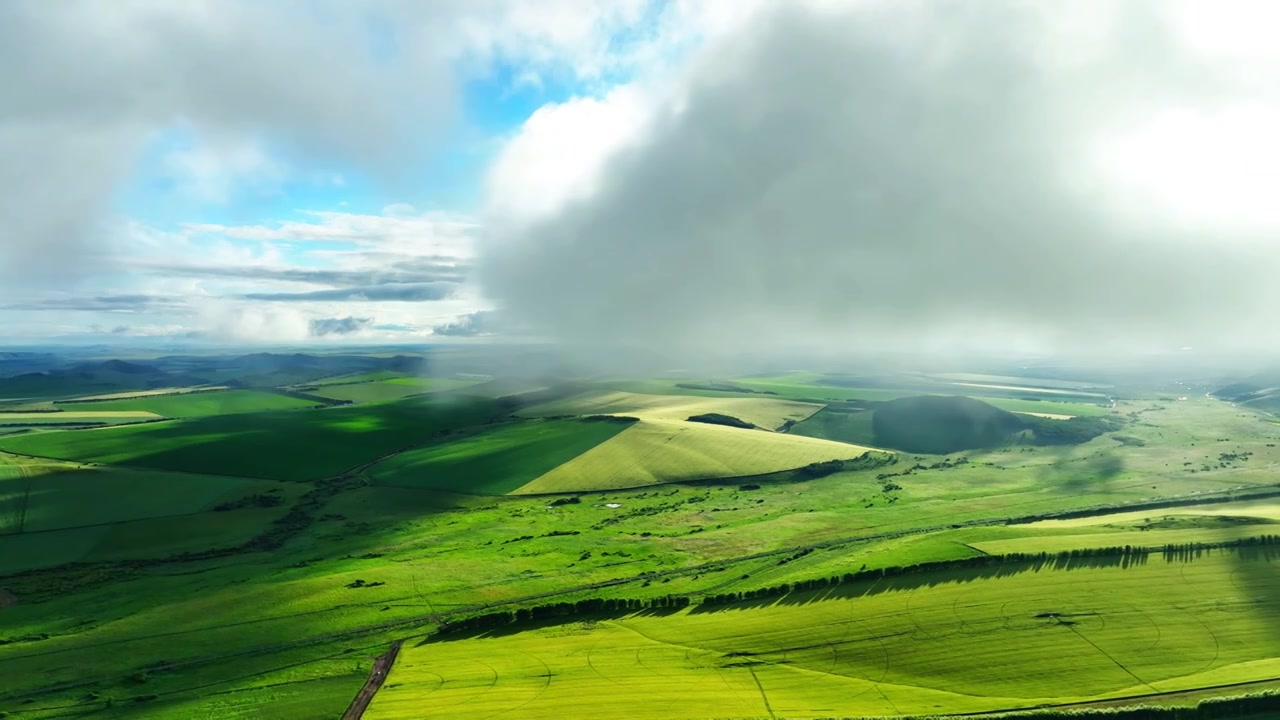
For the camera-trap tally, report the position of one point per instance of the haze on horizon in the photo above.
(705, 179)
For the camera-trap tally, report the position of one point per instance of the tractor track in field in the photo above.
(436, 617)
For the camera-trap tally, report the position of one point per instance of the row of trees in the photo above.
(1252, 707)
(537, 613)
(1119, 556)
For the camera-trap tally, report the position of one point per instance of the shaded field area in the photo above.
(839, 424)
(966, 641)
(281, 445)
(196, 404)
(495, 460)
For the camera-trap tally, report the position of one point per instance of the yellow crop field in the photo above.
(768, 413)
(658, 451)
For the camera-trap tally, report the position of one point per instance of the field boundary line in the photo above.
(763, 697)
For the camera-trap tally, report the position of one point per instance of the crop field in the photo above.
(497, 460)
(652, 452)
(966, 641)
(201, 404)
(767, 413)
(281, 445)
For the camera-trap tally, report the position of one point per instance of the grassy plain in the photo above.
(434, 552)
(281, 445)
(960, 641)
(652, 452)
(495, 460)
(191, 404)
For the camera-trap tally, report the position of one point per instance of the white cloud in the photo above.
(905, 174)
(559, 153)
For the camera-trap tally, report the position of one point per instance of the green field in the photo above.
(127, 595)
(201, 404)
(966, 641)
(497, 460)
(281, 445)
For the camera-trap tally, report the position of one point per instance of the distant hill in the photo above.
(941, 424)
(1261, 393)
(92, 378)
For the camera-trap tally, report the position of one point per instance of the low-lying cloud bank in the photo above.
(922, 176)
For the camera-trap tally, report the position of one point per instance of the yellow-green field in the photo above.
(1267, 510)
(111, 417)
(768, 413)
(151, 393)
(963, 641)
(660, 451)
(1209, 523)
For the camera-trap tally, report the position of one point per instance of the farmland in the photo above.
(253, 564)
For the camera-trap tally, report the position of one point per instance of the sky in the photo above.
(709, 177)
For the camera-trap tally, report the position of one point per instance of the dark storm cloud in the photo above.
(389, 292)
(893, 175)
(321, 327)
(473, 324)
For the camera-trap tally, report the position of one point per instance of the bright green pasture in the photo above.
(496, 460)
(963, 641)
(284, 445)
(188, 405)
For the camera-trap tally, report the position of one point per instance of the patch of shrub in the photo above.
(721, 419)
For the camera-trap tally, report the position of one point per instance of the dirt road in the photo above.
(377, 676)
